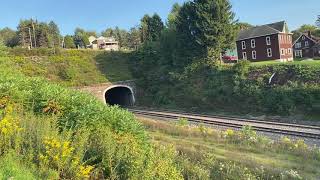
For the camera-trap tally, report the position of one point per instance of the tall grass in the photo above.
(69, 135)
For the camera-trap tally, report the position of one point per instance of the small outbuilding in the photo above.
(108, 44)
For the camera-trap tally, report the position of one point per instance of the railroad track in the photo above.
(286, 129)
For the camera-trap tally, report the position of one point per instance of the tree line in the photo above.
(31, 33)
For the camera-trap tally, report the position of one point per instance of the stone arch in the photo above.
(121, 95)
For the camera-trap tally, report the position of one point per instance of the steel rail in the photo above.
(239, 125)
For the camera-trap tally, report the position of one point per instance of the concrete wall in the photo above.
(99, 90)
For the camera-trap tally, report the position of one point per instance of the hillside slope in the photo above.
(69, 67)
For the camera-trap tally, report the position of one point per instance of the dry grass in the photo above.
(193, 142)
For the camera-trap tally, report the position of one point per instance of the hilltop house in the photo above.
(266, 42)
(108, 44)
(306, 46)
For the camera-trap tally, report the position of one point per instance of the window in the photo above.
(244, 55)
(253, 43)
(303, 38)
(269, 52)
(289, 38)
(254, 54)
(243, 44)
(298, 45)
(282, 52)
(289, 51)
(298, 53)
(281, 38)
(306, 43)
(268, 40)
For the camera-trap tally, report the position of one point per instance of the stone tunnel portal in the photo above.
(120, 95)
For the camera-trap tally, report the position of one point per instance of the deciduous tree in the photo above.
(69, 42)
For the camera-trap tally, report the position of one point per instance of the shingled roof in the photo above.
(263, 30)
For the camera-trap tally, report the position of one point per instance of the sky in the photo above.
(98, 15)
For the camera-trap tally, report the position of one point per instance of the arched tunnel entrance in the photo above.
(120, 95)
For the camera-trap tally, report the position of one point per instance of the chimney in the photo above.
(309, 34)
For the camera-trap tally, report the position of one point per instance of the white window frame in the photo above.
(243, 44)
(254, 54)
(289, 51)
(283, 52)
(244, 55)
(253, 43)
(268, 40)
(289, 37)
(303, 38)
(269, 52)
(298, 45)
(306, 43)
(298, 53)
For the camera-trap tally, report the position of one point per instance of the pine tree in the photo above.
(54, 33)
(172, 17)
(145, 34)
(156, 27)
(151, 28)
(208, 24)
(214, 26)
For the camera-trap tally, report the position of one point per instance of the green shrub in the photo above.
(73, 135)
(11, 167)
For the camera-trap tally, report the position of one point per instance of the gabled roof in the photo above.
(315, 39)
(264, 30)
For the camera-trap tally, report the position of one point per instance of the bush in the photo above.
(67, 134)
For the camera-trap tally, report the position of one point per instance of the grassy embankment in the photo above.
(51, 132)
(56, 132)
(69, 67)
(235, 153)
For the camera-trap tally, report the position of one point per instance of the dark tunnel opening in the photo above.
(122, 96)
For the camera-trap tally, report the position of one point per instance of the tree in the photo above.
(172, 17)
(151, 28)
(145, 29)
(243, 25)
(9, 37)
(24, 33)
(134, 38)
(108, 33)
(69, 42)
(213, 26)
(306, 28)
(54, 34)
(156, 27)
(43, 38)
(318, 21)
(81, 38)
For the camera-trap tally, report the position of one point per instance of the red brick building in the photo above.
(266, 42)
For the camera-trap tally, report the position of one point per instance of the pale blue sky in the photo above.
(99, 14)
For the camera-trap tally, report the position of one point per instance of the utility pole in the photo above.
(30, 38)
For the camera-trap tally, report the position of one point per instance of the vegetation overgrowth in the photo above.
(205, 153)
(182, 68)
(50, 132)
(68, 67)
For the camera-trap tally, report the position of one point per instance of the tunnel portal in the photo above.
(120, 95)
